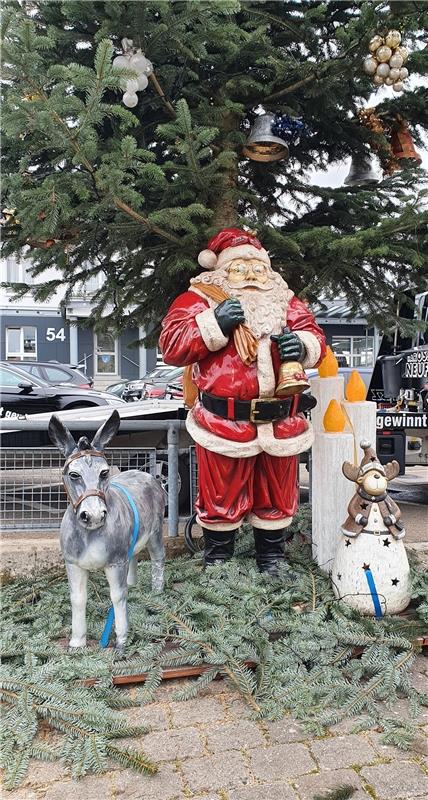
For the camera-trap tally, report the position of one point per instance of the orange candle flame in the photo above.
(329, 365)
(355, 389)
(334, 418)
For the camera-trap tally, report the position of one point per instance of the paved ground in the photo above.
(209, 749)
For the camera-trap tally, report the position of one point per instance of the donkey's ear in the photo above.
(350, 471)
(392, 469)
(60, 436)
(108, 429)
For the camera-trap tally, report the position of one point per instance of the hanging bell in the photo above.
(361, 172)
(402, 143)
(261, 144)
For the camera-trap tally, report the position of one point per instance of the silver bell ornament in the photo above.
(361, 172)
(261, 144)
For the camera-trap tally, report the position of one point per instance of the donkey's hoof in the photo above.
(76, 644)
(119, 652)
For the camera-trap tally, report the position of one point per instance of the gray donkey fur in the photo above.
(96, 529)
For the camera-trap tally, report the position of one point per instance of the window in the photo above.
(9, 378)
(106, 354)
(16, 271)
(356, 351)
(56, 375)
(21, 343)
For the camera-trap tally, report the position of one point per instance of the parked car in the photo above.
(174, 390)
(117, 388)
(55, 373)
(153, 385)
(21, 393)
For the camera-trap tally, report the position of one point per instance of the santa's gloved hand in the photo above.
(290, 347)
(229, 314)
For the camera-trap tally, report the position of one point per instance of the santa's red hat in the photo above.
(229, 244)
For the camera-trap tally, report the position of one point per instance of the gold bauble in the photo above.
(403, 52)
(396, 61)
(383, 53)
(375, 43)
(403, 73)
(383, 70)
(398, 87)
(378, 80)
(389, 81)
(370, 65)
(395, 75)
(393, 39)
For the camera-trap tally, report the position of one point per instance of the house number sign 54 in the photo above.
(52, 334)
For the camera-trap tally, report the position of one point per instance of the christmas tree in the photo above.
(91, 185)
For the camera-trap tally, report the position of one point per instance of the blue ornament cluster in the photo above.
(290, 129)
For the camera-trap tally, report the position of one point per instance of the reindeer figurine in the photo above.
(105, 525)
(371, 570)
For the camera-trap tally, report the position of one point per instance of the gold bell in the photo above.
(292, 379)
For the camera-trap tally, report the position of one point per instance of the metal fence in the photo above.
(32, 495)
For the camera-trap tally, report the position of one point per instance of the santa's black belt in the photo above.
(259, 410)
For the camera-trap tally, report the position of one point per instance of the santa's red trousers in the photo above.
(262, 488)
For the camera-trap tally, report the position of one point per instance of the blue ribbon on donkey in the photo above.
(110, 616)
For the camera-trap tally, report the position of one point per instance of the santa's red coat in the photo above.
(191, 335)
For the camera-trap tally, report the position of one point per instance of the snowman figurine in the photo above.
(371, 570)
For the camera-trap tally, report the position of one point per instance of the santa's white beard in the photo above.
(264, 304)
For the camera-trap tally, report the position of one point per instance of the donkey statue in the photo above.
(105, 525)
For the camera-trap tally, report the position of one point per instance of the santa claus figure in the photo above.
(235, 325)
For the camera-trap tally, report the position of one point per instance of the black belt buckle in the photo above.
(269, 413)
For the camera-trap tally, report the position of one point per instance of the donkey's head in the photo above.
(86, 471)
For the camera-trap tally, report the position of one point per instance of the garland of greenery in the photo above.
(302, 640)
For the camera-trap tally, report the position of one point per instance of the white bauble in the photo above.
(394, 74)
(403, 52)
(148, 68)
(389, 81)
(139, 61)
(403, 73)
(130, 99)
(375, 43)
(142, 82)
(129, 85)
(383, 53)
(393, 39)
(370, 65)
(383, 70)
(398, 87)
(396, 61)
(121, 61)
(378, 80)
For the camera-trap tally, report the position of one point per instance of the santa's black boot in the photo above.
(269, 550)
(219, 546)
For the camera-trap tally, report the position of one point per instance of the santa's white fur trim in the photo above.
(207, 259)
(218, 526)
(313, 348)
(210, 330)
(284, 447)
(264, 442)
(268, 524)
(244, 251)
(265, 371)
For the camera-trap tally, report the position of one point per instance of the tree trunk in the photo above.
(225, 203)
